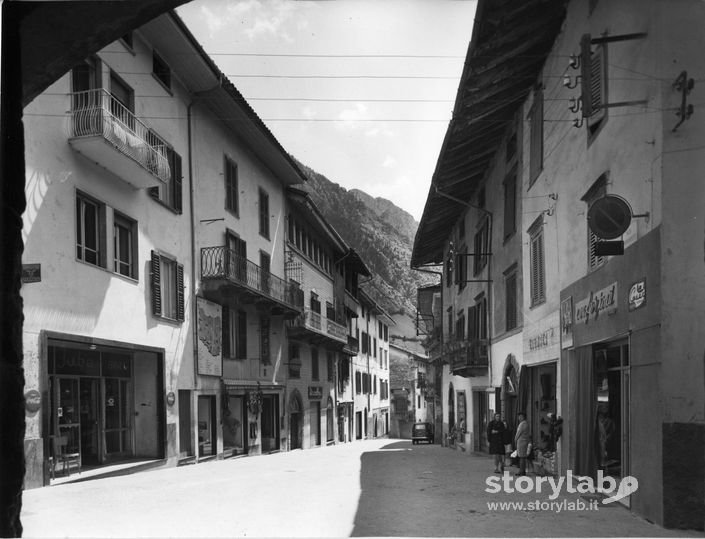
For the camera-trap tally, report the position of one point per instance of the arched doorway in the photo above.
(510, 387)
(296, 422)
(451, 407)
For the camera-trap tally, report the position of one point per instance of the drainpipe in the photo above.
(489, 271)
(194, 307)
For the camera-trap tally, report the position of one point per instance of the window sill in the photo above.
(167, 89)
(172, 321)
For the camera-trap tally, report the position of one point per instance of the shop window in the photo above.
(167, 287)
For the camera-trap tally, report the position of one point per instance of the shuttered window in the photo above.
(232, 201)
(481, 247)
(510, 285)
(264, 214)
(536, 143)
(537, 265)
(167, 287)
(510, 204)
(594, 83)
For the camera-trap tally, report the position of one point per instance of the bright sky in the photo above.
(359, 90)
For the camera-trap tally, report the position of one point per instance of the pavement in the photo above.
(380, 488)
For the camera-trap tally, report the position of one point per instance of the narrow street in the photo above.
(367, 488)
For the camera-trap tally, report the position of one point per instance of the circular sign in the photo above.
(170, 398)
(609, 217)
(32, 401)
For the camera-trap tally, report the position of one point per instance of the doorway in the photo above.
(207, 440)
(270, 422)
(295, 422)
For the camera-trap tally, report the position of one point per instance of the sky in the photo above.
(361, 91)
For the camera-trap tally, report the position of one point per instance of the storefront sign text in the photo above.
(542, 340)
(597, 303)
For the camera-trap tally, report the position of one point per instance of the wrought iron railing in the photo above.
(224, 263)
(98, 112)
(313, 320)
(467, 353)
(353, 344)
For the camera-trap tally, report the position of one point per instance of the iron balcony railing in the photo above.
(467, 354)
(312, 320)
(353, 346)
(224, 263)
(98, 113)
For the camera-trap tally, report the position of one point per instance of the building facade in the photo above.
(608, 237)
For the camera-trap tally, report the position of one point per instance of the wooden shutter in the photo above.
(180, 292)
(510, 184)
(156, 285)
(226, 332)
(472, 323)
(177, 179)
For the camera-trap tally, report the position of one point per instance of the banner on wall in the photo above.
(210, 327)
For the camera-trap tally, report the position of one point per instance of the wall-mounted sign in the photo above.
(210, 327)
(315, 393)
(542, 338)
(603, 301)
(609, 217)
(170, 398)
(31, 273)
(567, 322)
(637, 295)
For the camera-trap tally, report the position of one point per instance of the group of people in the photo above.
(500, 439)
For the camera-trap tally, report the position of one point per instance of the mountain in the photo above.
(381, 233)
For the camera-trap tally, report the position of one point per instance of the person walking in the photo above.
(495, 436)
(522, 438)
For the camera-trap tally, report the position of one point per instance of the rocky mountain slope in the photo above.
(380, 232)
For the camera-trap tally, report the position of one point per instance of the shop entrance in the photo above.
(611, 367)
(270, 423)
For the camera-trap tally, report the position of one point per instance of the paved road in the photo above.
(366, 488)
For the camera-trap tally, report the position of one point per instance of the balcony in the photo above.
(108, 133)
(312, 327)
(230, 279)
(352, 348)
(467, 358)
(246, 370)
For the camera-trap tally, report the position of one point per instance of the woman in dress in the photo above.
(495, 435)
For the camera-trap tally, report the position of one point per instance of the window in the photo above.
(597, 190)
(315, 303)
(461, 272)
(232, 202)
(386, 333)
(264, 214)
(536, 134)
(90, 230)
(330, 366)
(363, 342)
(460, 326)
(374, 385)
(510, 204)
(264, 324)
(330, 311)
(169, 193)
(594, 84)
(536, 263)
(314, 364)
(265, 262)
(477, 319)
(236, 257)
(161, 70)
(167, 288)
(234, 333)
(510, 295)
(481, 247)
(358, 382)
(374, 347)
(124, 246)
(122, 105)
(294, 361)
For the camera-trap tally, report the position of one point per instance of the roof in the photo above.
(510, 42)
(212, 88)
(301, 201)
(375, 307)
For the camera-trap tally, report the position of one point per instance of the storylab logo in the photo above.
(572, 484)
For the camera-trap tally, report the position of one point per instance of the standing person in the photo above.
(495, 435)
(521, 440)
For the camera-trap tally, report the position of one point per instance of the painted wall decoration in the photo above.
(210, 360)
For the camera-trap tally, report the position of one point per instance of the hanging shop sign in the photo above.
(567, 322)
(603, 301)
(315, 393)
(210, 327)
(637, 295)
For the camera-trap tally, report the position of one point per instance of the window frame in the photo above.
(99, 250)
(170, 193)
(263, 210)
(231, 183)
(537, 263)
(481, 246)
(122, 221)
(536, 142)
(511, 308)
(160, 287)
(160, 68)
(510, 203)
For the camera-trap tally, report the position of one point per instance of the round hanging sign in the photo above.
(170, 398)
(609, 217)
(32, 401)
